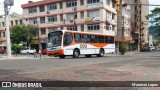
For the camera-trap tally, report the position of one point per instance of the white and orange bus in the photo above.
(74, 43)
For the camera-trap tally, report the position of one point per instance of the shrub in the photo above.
(16, 48)
(122, 48)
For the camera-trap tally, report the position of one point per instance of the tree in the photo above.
(23, 33)
(122, 48)
(154, 29)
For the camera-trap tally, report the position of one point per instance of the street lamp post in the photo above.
(6, 4)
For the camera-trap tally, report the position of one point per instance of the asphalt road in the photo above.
(135, 67)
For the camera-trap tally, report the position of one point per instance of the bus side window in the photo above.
(106, 39)
(111, 40)
(100, 39)
(67, 39)
(85, 38)
(93, 39)
(78, 38)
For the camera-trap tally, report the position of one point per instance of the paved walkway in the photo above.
(4, 57)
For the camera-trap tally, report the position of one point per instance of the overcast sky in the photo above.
(17, 5)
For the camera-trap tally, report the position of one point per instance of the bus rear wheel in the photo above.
(76, 53)
(62, 56)
(101, 53)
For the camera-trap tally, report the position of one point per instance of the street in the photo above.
(142, 66)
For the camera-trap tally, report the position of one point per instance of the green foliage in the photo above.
(154, 18)
(23, 33)
(157, 43)
(16, 48)
(122, 48)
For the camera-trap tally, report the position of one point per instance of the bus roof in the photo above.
(84, 32)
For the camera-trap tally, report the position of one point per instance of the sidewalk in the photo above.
(14, 57)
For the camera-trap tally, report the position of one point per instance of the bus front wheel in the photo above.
(101, 53)
(76, 53)
(62, 56)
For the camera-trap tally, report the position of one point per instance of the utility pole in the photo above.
(123, 30)
(8, 3)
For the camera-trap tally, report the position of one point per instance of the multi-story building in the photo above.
(15, 19)
(98, 16)
(145, 12)
(124, 25)
(136, 22)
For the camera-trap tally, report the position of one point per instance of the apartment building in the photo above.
(136, 23)
(15, 19)
(98, 16)
(145, 22)
(124, 25)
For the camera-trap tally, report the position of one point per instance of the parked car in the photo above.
(145, 49)
(44, 51)
(152, 47)
(2, 51)
(27, 51)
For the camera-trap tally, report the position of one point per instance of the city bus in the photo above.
(75, 43)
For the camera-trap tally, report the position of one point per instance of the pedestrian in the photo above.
(35, 53)
(40, 53)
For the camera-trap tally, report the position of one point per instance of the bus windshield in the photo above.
(54, 39)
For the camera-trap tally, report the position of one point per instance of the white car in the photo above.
(27, 51)
(152, 48)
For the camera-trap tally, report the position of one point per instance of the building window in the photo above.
(82, 27)
(107, 27)
(16, 21)
(42, 19)
(33, 21)
(71, 16)
(61, 17)
(21, 21)
(113, 16)
(32, 10)
(3, 24)
(11, 23)
(108, 2)
(71, 3)
(82, 2)
(61, 5)
(41, 8)
(113, 28)
(72, 28)
(4, 35)
(43, 31)
(113, 5)
(52, 19)
(52, 29)
(82, 14)
(52, 6)
(92, 1)
(93, 13)
(93, 26)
